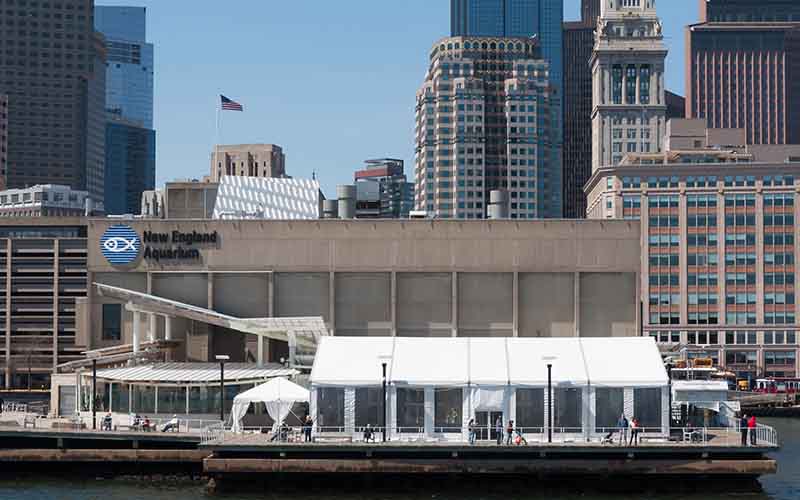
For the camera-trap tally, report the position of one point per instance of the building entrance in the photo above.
(486, 424)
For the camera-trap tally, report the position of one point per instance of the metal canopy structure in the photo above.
(192, 373)
(302, 334)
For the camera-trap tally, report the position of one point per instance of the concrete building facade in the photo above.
(629, 108)
(485, 121)
(749, 11)
(56, 95)
(746, 75)
(43, 275)
(578, 47)
(378, 278)
(719, 242)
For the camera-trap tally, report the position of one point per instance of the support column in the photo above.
(137, 331)
(56, 294)
(332, 301)
(454, 299)
(152, 326)
(515, 306)
(167, 328)
(393, 305)
(260, 355)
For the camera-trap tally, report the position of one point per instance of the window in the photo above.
(630, 84)
(447, 412)
(610, 404)
(644, 84)
(647, 407)
(410, 410)
(741, 358)
(330, 409)
(780, 357)
(530, 410)
(369, 407)
(568, 410)
(112, 322)
(616, 84)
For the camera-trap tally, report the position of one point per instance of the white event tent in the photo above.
(278, 395)
(436, 385)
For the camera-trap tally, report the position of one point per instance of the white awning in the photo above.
(278, 396)
(457, 362)
(192, 373)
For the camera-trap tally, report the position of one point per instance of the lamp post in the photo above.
(222, 359)
(549, 360)
(384, 401)
(94, 394)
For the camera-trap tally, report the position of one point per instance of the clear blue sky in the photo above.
(333, 82)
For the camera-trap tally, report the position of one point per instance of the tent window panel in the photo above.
(410, 410)
(171, 400)
(530, 410)
(369, 407)
(647, 407)
(330, 408)
(568, 410)
(448, 408)
(610, 403)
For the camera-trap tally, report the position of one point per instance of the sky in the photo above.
(332, 82)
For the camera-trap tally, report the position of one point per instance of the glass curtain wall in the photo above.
(330, 408)
(410, 410)
(609, 405)
(647, 407)
(568, 410)
(449, 404)
(530, 410)
(369, 407)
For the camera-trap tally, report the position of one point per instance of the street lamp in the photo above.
(222, 359)
(550, 360)
(94, 391)
(384, 362)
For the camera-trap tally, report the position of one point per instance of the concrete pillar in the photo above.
(577, 304)
(260, 355)
(515, 305)
(167, 328)
(152, 326)
(454, 299)
(394, 302)
(137, 331)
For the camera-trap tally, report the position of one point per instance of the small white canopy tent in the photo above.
(278, 395)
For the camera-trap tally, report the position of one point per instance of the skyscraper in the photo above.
(383, 190)
(129, 70)
(743, 68)
(484, 122)
(3, 140)
(129, 134)
(578, 46)
(55, 83)
(247, 160)
(629, 107)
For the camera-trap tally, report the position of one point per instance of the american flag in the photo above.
(229, 105)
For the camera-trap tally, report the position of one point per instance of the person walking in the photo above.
(744, 423)
(471, 428)
(510, 433)
(751, 429)
(498, 429)
(622, 425)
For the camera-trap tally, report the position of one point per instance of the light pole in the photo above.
(94, 394)
(384, 401)
(549, 360)
(222, 359)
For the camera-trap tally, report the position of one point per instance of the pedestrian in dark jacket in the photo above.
(744, 423)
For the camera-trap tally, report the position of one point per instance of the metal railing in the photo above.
(214, 433)
(15, 408)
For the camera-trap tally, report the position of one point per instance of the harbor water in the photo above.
(783, 486)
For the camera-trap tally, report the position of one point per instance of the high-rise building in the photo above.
(578, 46)
(129, 69)
(129, 134)
(130, 165)
(382, 190)
(514, 18)
(590, 11)
(247, 160)
(629, 108)
(3, 140)
(743, 68)
(749, 11)
(676, 105)
(55, 83)
(485, 116)
(719, 221)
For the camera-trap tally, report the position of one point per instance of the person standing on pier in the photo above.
(622, 425)
(744, 423)
(308, 426)
(471, 428)
(751, 429)
(510, 433)
(498, 428)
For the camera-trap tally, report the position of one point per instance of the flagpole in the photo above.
(216, 144)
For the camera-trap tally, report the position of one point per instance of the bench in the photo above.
(334, 437)
(29, 420)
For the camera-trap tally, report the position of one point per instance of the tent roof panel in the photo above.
(430, 362)
(351, 360)
(632, 361)
(277, 389)
(192, 373)
(528, 360)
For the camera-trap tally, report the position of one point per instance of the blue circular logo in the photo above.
(120, 245)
